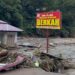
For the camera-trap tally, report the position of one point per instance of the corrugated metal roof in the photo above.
(4, 26)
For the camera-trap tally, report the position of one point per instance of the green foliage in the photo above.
(22, 13)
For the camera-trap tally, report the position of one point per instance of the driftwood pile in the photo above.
(47, 62)
(51, 63)
(55, 64)
(13, 61)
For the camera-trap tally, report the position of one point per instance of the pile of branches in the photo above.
(51, 64)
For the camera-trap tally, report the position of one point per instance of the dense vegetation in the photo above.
(22, 13)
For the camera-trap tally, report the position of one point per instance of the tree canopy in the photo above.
(22, 13)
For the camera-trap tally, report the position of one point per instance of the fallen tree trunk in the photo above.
(50, 56)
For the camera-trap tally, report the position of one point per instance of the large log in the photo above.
(50, 56)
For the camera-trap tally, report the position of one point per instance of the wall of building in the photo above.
(2, 37)
(11, 39)
(8, 38)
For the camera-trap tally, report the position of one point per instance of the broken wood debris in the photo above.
(45, 61)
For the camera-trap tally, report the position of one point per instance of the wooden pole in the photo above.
(47, 40)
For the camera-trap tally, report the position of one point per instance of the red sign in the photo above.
(48, 20)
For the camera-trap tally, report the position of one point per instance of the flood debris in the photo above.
(2, 46)
(52, 44)
(47, 62)
(29, 45)
(8, 66)
(50, 63)
(55, 64)
(15, 60)
(3, 53)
